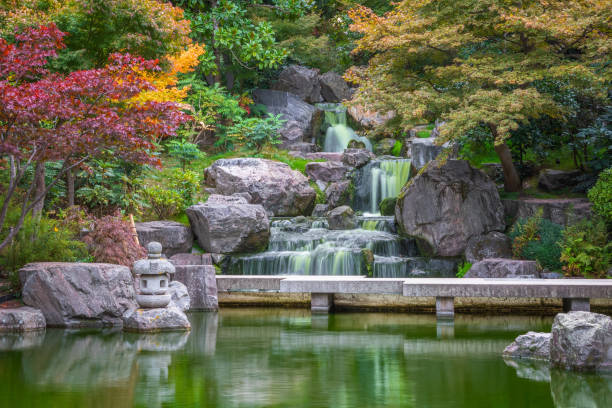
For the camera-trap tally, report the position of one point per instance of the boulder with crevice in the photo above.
(338, 193)
(503, 268)
(300, 81)
(341, 218)
(356, 157)
(326, 172)
(175, 237)
(334, 88)
(492, 245)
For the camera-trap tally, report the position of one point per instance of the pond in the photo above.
(288, 358)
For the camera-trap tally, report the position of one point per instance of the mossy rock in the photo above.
(356, 144)
(387, 206)
(368, 261)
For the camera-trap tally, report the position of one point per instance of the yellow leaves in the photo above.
(187, 60)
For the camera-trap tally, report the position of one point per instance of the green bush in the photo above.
(397, 149)
(537, 239)
(184, 151)
(186, 183)
(41, 240)
(163, 202)
(586, 249)
(601, 195)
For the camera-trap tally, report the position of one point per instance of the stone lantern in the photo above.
(154, 277)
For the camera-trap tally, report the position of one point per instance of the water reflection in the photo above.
(289, 358)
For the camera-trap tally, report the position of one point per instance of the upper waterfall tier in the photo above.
(338, 135)
(378, 180)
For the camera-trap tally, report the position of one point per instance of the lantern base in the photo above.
(153, 301)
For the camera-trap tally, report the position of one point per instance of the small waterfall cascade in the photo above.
(338, 135)
(299, 247)
(378, 180)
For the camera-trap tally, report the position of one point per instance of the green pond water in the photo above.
(288, 358)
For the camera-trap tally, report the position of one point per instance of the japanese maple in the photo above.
(71, 118)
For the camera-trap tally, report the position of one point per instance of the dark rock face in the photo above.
(228, 224)
(156, 320)
(79, 294)
(581, 341)
(191, 259)
(447, 205)
(385, 146)
(503, 268)
(338, 193)
(492, 245)
(174, 236)
(201, 284)
(301, 81)
(326, 171)
(532, 345)
(356, 157)
(387, 206)
(280, 190)
(299, 115)
(21, 319)
(334, 88)
(320, 210)
(341, 218)
(423, 151)
(551, 180)
(563, 211)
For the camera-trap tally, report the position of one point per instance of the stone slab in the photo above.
(341, 284)
(542, 288)
(229, 283)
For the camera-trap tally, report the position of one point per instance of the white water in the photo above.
(379, 180)
(338, 135)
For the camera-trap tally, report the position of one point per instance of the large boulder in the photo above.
(179, 296)
(79, 294)
(229, 224)
(551, 180)
(21, 319)
(341, 218)
(423, 151)
(338, 193)
(446, 205)
(503, 268)
(201, 284)
(300, 117)
(175, 237)
(334, 88)
(191, 259)
(169, 318)
(300, 81)
(532, 345)
(326, 172)
(492, 245)
(320, 210)
(582, 341)
(562, 211)
(356, 157)
(280, 190)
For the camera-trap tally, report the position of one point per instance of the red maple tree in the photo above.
(70, 118)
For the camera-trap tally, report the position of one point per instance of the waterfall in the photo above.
(378, 180)
(338, 135)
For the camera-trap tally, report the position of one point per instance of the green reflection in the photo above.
(288, 358)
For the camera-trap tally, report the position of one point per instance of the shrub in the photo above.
(112, 240)
(586, 249)
(163, 202)
(601, 195)
(186, 183)
(41, 240)
(537, 239)
(184, 151)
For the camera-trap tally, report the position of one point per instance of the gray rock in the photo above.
(503, 268)
(191, 259)
(229, 225)
(562, 211)
(492, 245)
(446, 205)
(341, 218)
(174, 236)
(385, 146)
(304, 147)
(581, 341)
(320, 210)
(532, 345)
(338, 193)
(279, 189)
(79, 294)
(551, 180)
(326, 172)
(423, 151)
(201, 283)
(494, 171)
(356, 157)
(21, 319)
(179, 296)
(329, 156)
(300, 116)
(156, 320)
(300, 81)
(334, 88)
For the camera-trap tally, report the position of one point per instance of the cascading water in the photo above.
(378, 180)
(338, 135)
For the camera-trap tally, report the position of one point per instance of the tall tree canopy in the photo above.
(479, 63)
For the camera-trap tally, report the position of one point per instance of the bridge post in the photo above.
(321, 302)
(576, 305)
(445, 307)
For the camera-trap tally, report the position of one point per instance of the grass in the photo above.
(423, 134)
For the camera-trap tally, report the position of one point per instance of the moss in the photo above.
(387, 206)
(368, 261)
(423, 134)
(397, 149)
(321, 197)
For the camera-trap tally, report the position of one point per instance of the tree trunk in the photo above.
(512, 181)
(39, 189)
(217, 53)
(70, 187)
